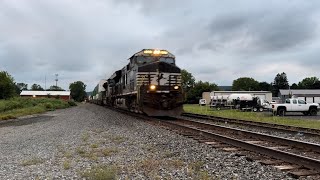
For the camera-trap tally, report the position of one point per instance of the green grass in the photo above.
(101, 172)
(118, 139)
(15, 107)
(109, 151)
(252, 116)
(66, 164)
(32, 161)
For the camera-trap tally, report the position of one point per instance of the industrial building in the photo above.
(309, 95)
(267, 95)
(65, 95)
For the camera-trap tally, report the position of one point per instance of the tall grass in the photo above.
(253, 116)
(18, 106)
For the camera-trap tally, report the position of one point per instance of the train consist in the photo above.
(150, 83)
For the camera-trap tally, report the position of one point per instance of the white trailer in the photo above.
(239, 101)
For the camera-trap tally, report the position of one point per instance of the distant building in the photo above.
(309, 95)
(267, 95)
(65, 95)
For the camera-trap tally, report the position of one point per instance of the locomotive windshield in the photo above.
(167, 60)
(148, 59)
(144, 59)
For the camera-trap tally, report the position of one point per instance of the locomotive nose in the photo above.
(159, 67)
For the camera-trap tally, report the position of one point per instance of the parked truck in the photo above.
(295, 105)
(239, 101)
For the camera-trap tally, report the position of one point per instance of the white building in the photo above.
(309, 95)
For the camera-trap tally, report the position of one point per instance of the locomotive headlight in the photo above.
(152, 87)
(147, 51)
(156, 52)
(176, 87)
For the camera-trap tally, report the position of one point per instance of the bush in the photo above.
(72, 103)
(15, 107)
(48, 105)
(10, 105)
(6, 117)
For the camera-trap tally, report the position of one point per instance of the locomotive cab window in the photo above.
(167, 60)
(144, 60)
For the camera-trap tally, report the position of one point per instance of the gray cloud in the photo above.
(262, 32)
(216, 41)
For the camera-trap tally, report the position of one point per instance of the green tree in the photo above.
(187, 80)
(245, 84)
(36, 87)
(199, 87)
(55, 88)
(264, 86)
(7, 86)
(316, 85)
(294, 86)
(78, 91)
(21, 87)
(280, 82)
(309, 83)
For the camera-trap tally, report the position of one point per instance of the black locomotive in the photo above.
(150, 83)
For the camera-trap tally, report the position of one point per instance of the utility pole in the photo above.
(56, 79)
(45, 82)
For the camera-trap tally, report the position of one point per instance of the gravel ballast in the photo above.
(89, 140)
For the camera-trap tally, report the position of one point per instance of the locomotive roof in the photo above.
(142, 53)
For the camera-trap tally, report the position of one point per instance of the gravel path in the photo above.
(90, 141)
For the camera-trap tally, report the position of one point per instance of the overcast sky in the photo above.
(217, 41)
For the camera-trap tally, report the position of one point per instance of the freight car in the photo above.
(150, 83)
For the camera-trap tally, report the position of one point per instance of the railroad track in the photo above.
(254, 124)
(297, 157)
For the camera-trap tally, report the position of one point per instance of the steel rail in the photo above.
(310, 163)
(295, 143)
(277, 127)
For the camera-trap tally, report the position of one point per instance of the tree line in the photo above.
(280, 82)
(9, 88)
(193, 90)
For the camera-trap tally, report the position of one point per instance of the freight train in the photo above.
(150, 83)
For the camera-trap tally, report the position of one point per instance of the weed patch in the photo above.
(176, 163)
(81, 151)
(109, 151)
(32, 161)
(149, 165)
(94, 146)
(101, 172)
(85, 136)
(66, 164)
(67, 154)
(118, 139)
